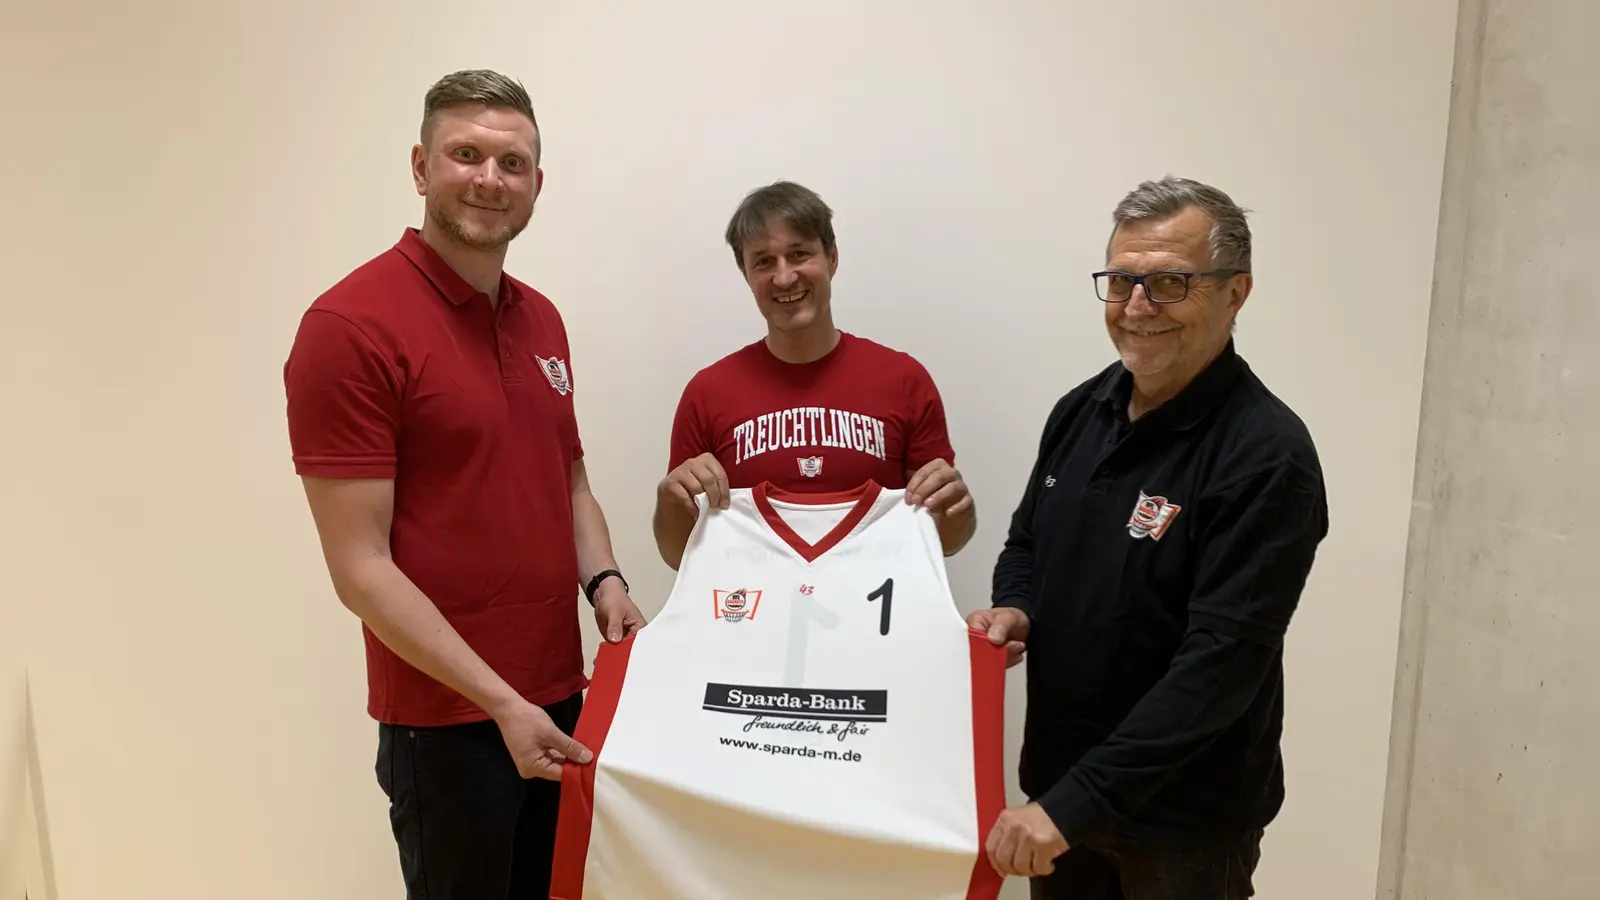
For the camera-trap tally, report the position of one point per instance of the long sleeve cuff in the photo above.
(1071, 809)
(1015, 600)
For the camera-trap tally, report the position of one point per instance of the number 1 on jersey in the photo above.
(885, 592)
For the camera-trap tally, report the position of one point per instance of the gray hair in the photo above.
(1230, 233)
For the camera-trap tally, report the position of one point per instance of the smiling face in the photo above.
(791, 277)
(478, 169)
(1161, 342)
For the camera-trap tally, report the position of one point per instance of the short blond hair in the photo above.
(476, 86)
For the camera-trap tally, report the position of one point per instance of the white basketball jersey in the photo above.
(808, 716)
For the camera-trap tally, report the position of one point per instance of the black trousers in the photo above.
(468, 826)
(1128, 871)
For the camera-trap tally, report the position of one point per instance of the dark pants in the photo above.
(468, 826)
(1123, 871)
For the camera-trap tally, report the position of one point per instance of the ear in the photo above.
(1239, 287)
(833, 261)
(419, 168)
(538, 181)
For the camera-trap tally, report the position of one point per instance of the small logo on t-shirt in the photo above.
(556, 371)
(1152, 516)
(735, 606)
(810, 466)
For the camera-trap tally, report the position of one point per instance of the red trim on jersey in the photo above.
(988, 752)
(863, 497)
(575, 819)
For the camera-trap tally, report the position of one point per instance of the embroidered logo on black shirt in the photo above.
(1152, 516)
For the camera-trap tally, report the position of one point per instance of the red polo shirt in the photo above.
(404, 371)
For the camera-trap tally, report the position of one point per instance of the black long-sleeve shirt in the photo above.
(1159, 562)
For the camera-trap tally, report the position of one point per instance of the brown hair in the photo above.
(478, 86)
(797, 206)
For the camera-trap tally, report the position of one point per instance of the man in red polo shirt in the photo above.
(430, 412)
(808, 408)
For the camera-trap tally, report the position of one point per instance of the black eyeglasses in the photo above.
(1160, 287)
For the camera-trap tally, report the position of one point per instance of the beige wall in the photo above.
(195, 174)
(25, 866)
(15, 840)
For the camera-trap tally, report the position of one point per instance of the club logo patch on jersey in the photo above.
(810, 466)
(735, 606)
(1152, 516)
(555, 370)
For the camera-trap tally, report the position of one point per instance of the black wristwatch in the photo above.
(594, 583)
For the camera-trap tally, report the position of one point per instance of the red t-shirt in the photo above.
(404, 371)
(862, 412)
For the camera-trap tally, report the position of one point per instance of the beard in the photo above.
(474, 237)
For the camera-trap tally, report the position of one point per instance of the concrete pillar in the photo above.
(1494, 777)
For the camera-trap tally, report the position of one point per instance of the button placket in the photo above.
(503, 352)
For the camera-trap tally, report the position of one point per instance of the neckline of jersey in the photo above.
(863, 497)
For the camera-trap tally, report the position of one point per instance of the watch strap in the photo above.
(594, 583)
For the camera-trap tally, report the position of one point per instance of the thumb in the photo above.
(610, 626)
(577, 752)
(997, 631)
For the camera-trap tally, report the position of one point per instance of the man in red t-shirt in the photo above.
(808, 408)
(430, 413)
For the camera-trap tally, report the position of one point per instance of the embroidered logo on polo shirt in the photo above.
(556, 371)
(1152, 516)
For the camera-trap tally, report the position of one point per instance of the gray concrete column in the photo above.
(1494, 776)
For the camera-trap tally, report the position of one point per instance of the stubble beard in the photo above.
(457, 229)
(1146, 360)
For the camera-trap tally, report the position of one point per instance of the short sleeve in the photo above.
(688, 428)
(577, 432)
(1259, 541)
(929, 435)
(343, 401)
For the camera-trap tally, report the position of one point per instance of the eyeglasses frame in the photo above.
(1138, 281)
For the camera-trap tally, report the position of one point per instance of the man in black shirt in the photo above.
(1148, 578)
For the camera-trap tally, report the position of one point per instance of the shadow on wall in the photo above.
(27, 862)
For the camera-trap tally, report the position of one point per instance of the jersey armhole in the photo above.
(934, 548)
(695, 534)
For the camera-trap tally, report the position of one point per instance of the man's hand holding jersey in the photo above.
(699, 475)
(1025, 842)
(939, 488)
(615, 613)
(1005, 627)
